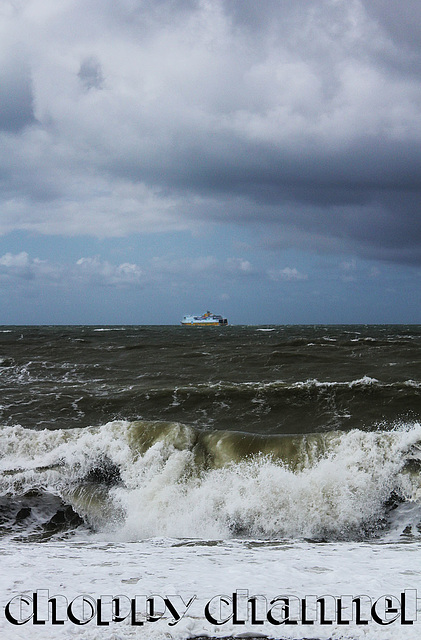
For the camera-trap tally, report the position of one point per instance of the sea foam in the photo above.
(139, 480)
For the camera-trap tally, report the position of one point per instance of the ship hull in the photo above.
(208, 319)
(203, 324)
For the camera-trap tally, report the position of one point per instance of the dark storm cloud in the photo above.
(366, 196)
(401, 20)
(90, 74)
(16, 99)
(302, 117)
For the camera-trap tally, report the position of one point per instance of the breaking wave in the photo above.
(136, 480)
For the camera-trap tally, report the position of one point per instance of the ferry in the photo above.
(208, 319)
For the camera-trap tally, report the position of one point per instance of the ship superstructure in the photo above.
(208, 319)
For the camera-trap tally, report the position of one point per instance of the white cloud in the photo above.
(349, 271)
(288, 274)
(349, 265)
(92, 272)
(18, 260)
(185, 267)
(239, 265)
(188, 268)
(21, 267)
(96, 271)
(85, 272)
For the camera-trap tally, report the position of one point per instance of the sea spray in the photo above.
(142, 479)
(342, 494)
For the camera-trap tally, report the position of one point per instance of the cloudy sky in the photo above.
(161, 157)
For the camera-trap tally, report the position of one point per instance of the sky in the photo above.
(164, 157)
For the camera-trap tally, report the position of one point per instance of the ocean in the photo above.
(184, 482)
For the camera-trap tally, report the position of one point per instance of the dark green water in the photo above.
(265, 432)
(254, 379)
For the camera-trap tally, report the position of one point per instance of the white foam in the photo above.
(336, 485)
(173, 512)
(314, 383)
(334, 495)
(165, 567)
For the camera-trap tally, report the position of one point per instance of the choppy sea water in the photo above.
(181, 462)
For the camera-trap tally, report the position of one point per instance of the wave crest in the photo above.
(146, 479)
